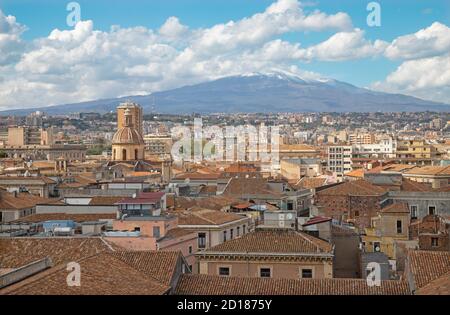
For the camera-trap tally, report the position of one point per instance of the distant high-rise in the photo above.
(136, 113)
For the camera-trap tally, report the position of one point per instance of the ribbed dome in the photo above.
(127, 135)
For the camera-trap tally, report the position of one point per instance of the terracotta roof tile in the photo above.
(216, 285)
(311, 182)
(17, 252)
(396, 208)
(356, 188)
(102, 274)
(198, 216)
(427, 266)
(19, 201)
(105, 200)
(274, 241)
(440, 286)
(248, 186)
(159, 265)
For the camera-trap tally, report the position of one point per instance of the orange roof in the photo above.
(396, 208)
(197, 284)
(356, 173)
(198, 216)
(274, 241)
(427, 266)
(359, 187)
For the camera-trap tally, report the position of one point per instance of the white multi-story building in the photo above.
(386, 148)
(340, 159)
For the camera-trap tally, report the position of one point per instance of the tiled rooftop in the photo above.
(356, 188)
(427, 266)
(396, 208)
(274, 241)
(159, 265)
(102, 274)
(17, 252)
(216, 285)
(198, 216)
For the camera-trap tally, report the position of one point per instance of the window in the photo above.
(231, 234)
(434, 242)
(224, 236)
(224, 271)
(414, 211)
(431, 209)
(356, 213)
(190, 249)
(137, 229)
(307, 273)
(243, 229)
(201, 240)
(376, 246)
(238, 229)
(156, 231)
(265, 272)
(399, 227)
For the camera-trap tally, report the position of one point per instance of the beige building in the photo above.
(25, 136)
(416, 149)
(391, 225)
(294, 169)
(158, 144)
(36, 185)
(270, 253)
(213, 227)
(361, 138)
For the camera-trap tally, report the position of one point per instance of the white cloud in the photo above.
(11, 45)
(84, 64)
(427, 78)
(428, 42)
(345, 46)
(425, 71)
(172, 28)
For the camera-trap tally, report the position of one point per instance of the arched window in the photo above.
(136, 154)
(124, 155)
(114, 154)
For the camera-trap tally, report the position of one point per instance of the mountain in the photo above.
(259, 92)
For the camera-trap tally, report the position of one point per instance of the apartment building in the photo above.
(361, 138)
(158, 144)
(270, 253)
(416, 150)
(385, 148)
(340, 160)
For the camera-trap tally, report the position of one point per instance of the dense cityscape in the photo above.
(337, 193)
(224, 155)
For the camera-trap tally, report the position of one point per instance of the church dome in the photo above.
(127, 135)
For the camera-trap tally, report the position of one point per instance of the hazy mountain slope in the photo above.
(270, 92)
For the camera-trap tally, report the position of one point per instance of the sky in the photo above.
(134, 47)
